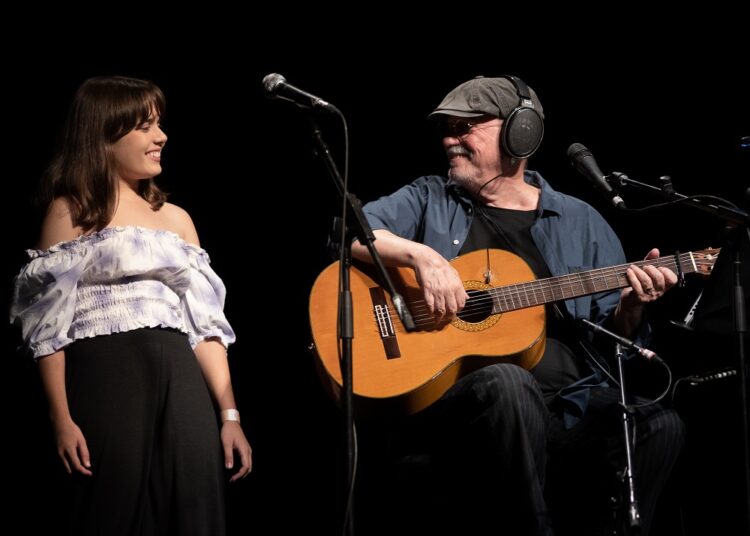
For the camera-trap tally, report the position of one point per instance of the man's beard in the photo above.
(453, 173)
(461, 178)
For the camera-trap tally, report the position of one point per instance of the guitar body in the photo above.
(407, 371)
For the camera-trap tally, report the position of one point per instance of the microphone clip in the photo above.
(667, 189)
(622, 341)
(616, 180)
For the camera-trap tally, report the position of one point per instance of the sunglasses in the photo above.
(458, 128)
(455, 128)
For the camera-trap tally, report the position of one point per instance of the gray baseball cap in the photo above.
(484, 96)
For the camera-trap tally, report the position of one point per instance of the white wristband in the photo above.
(230, 415)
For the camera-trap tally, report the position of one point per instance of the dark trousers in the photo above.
(141, 402)
(584, 463)
(490, 458)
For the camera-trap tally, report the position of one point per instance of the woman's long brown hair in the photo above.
(104, 109)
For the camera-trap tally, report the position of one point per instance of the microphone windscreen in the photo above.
(272, 81)
(577, 150)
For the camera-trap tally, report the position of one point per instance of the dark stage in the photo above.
(242, 166)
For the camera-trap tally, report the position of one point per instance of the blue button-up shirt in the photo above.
(570, 235)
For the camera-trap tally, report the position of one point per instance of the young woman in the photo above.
(123, 313)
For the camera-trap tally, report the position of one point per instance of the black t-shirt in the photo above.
(510, 230)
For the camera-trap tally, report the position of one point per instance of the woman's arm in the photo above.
(58, 227)
(212, 358)
(71, 445)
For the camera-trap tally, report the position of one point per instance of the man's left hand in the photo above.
(647, 283)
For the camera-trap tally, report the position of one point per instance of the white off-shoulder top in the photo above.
(117, 279)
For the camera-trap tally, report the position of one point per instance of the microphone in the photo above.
(622, 341)
(276, 87)
(584, 162)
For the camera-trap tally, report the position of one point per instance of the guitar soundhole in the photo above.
(477, 308)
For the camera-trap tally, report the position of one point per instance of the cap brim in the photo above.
(455, 113)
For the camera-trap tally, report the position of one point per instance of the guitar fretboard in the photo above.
(541, 291)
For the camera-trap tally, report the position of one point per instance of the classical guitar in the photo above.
(503, 321)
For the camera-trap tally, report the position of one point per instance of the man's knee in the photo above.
(507, 384)
(671, 429)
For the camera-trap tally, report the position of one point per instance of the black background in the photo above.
(650, 104)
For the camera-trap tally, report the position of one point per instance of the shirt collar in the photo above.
(456, 190)
(549, 200)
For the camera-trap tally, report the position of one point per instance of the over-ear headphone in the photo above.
(523, 129)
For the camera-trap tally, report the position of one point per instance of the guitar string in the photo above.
(561, 283)
(514, 293)
(514, 298)
(510, 299)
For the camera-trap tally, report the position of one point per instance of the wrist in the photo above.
(627, 319)
(422, 256)
(59, 416)
(230, 415)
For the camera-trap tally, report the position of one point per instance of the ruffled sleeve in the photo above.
(44, 297)
(203, 302)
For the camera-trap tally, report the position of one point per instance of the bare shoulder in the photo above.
(58, 224)
(179, 221)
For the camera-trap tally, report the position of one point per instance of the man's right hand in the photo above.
(441, 285)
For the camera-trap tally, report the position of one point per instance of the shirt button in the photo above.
(455, 242)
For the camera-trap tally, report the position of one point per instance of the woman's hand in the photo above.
(72, 448)
(233, 439)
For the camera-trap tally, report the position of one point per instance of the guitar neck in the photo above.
(541, 291)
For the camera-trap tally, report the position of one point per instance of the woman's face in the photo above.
(137, 154)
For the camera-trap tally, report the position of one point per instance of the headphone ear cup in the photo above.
(523, 131)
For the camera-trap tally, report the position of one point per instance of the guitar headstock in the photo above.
(705, 259)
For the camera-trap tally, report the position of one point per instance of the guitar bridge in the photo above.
(384, 320)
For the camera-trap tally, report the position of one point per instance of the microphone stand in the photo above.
(634, 515)
(732, 216)
(738, 222)
(633, 511)
(364, 234)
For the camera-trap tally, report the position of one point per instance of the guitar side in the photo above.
(406, 372)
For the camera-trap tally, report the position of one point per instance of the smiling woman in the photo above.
(138, 153)
(124, 315)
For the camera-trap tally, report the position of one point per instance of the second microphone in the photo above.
(584, 162)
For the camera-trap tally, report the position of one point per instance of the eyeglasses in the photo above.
(455, 128)
(458, 128)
